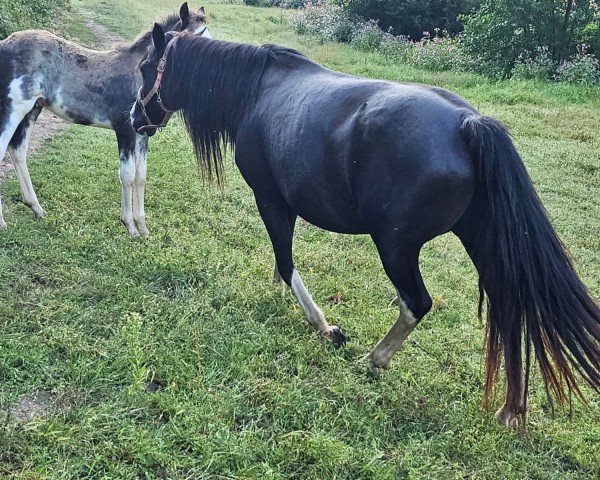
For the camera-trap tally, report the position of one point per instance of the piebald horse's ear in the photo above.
(202, 11)
(184, 15)
(158, 38)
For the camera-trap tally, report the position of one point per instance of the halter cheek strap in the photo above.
(155, 90)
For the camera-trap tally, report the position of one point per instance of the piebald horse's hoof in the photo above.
(335, 336)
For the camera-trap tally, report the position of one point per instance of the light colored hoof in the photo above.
(335, 336)
(131, 228)
(39, 212)
(141, 227)
(376, 360)
(508, 419)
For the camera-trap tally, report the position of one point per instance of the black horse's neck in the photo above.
(215, 82)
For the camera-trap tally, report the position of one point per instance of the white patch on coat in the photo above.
(60, 109)
(139, 183)
(382, 354)
(205, 34)
(20, 106)
(127, 177)
(313, 313)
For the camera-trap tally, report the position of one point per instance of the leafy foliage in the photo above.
(411, 17)
(534, 65)
(583, 68)
(23, 14)
(502, 30)
(326, 21)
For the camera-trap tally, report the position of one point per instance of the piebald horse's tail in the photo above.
(536, 302)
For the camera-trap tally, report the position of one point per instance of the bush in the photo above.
(537, 65)
(411, 17)
(440, 53)
(276, 3)
(367, 36)
(502, 30)
(23, 14)
(324, 20)
(583, 68)
(396, 49)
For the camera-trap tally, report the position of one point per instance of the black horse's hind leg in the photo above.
(401, 263)
(292, 222)
(17, 149)
(277, 217)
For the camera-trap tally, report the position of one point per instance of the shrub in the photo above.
(583, 68)
(324, 20)
(590, 35)
(367, 36)
(23, 14)
(396, 49)
(411, 17)
(440, 53)
(534, 65)
(502, 30)
(276, 3)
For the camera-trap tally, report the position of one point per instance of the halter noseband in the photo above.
(155, 90)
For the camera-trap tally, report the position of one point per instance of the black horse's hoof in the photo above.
(335, 336)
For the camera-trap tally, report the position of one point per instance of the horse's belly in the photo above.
(326, 209)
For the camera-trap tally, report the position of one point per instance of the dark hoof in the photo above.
(336, 337)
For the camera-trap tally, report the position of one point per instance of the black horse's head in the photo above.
(153, 106)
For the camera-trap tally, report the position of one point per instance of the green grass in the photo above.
(244, 388)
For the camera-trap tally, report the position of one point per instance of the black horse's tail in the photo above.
(535, 298)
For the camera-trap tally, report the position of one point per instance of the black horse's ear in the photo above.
(158, 38)
(202, 11)
(184, 15)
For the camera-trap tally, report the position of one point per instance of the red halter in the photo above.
(155, 90)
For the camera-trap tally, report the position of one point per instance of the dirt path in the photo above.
(48, 124)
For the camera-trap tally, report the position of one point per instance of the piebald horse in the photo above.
(403, 163)
(40, 70)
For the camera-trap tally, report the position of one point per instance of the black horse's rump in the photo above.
(403, 163)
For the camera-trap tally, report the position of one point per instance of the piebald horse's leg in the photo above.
(17, 107)
(126, 142)
(276, 217)
(18, 152)
(139, 215)
(402, 267)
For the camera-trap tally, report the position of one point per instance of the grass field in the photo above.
(176, 356)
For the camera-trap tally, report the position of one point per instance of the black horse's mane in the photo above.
(217, 82)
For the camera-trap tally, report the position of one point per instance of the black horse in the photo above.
(403, 163)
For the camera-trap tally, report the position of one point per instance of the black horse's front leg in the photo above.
(279, 221)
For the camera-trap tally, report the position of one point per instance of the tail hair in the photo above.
(535, 300)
